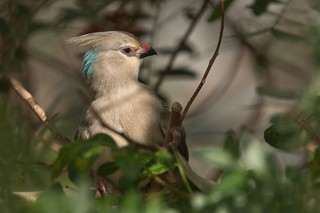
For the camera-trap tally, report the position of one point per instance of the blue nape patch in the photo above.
(88, 59)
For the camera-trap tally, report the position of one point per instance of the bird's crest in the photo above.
(104, 38)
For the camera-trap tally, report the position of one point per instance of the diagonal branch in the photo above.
(181, 44)
(212, 60)
(37, 109)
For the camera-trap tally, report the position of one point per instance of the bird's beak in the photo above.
(146, 50)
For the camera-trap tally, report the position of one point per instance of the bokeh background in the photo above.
(265, 63)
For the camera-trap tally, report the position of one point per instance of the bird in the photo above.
(121, 106)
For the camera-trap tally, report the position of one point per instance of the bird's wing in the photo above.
(82, 133)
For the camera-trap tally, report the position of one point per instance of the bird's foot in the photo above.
(104, 187)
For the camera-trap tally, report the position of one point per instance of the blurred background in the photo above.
(266, 60)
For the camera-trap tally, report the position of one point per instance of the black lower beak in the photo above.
(150, 52)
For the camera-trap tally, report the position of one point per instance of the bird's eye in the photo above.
(128, 51)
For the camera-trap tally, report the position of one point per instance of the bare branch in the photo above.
(37, 109)
(181, 44)
(174, 122)
(212, 60)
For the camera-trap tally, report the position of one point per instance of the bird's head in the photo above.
(114, 53)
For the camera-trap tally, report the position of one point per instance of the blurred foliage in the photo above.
(250, 178)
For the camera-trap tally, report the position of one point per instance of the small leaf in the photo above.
(231, 145)
(202, 183)
(70, 14)
(283, 134)
(4, 85)
(219, 158)
(36, 26)
(257, 157)
(216, 13)
(281, 34)
(180, 72)
(81, 154)
(277, 93)
(107, 169)
(315, 165)
(260, 6)
(314, 4)
(190, 12)
(4, 28)
(230, 183)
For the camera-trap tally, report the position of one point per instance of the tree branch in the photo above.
(212, 60)
(181, 44)
(174, 122)
(35, 107)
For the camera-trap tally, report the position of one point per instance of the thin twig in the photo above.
(37, 109)
(215, 55)
(181, 45)
(308, 128)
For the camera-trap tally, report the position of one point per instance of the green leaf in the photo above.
(281, 34)
(315, 165)
(219, 158)
(256, 157)
(4, 28)
(70, 14)
(231, 145)
(36, 26)
(314, 4)
(230, 183)
(190, 12)
(277, 93)
(260, 6)
(164, 162)
(180, 73)
(4, 85)
(216, 13)
(81, 154)
(283, 134)
(107, 169)
(200, 182)
(130, 162)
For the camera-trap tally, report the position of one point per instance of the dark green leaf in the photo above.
(281, 34)
(260, 6)
(315, 165)
(36, 26)
(107, 169)
(314, 4)
(4, 85)
(257, 157)
(190, 12)
(202, 183)
(277, 93)
(231, 182)
(180, 73)
(216, 13)
(70, 14)
(231, 145)
(130, 162)
(283, 134)
(4, 28)
(218, 157)
(81, 154)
